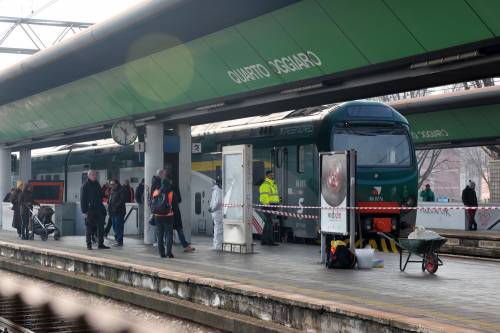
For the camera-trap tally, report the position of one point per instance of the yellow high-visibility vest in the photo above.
(269, 192)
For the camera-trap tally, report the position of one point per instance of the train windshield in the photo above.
(375, 146)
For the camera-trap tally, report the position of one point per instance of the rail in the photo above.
(25, 308)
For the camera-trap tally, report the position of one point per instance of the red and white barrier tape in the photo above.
(369, 208)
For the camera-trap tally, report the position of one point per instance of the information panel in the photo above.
(237, 198)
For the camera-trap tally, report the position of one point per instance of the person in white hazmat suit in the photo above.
(216, 210)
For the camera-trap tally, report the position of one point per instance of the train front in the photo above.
(386, 173)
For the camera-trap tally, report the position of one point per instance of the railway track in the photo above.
(26, 309)
(18, 316)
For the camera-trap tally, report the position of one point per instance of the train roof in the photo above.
(343, 112)
(274, 119)
(365, 111)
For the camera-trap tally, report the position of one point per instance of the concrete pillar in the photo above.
(25, 164)
(153, 160)
(184, 132)
(5, 175)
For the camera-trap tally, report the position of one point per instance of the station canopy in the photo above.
(196, 61)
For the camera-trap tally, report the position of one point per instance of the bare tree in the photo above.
(477, 158)
(427, 161)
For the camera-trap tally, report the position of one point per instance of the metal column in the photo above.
(25, 164)
(5, 174)
(184, 132)
(153, 160)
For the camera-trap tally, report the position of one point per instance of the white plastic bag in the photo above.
(422, 233)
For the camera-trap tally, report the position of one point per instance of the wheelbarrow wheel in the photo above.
(430, 263)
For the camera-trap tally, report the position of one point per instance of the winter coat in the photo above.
(16, 219)
(427, 195)
(139, 194)
(469, 197)
(91, 197)
(268, 191)
(129, 192)
(25, 203)
(117, 200)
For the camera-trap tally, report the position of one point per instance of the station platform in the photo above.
(471, 243)
(462, 296)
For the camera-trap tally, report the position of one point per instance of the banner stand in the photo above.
(337, 194)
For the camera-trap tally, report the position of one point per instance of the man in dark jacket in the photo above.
(93, 209)
(117, 209)
(139, 193)
(129, 191)
(469, 199)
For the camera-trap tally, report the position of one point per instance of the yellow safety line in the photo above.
(393, 246)
(384, 245)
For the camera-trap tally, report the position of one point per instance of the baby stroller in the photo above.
(43, 225)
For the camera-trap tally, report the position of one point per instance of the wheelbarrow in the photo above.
(426, 249)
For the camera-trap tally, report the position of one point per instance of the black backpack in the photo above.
(341, 258)
(162, 204)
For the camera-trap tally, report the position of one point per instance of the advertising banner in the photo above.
(334, 185)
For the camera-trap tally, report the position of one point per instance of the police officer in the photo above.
(269, 195)
(93, 209)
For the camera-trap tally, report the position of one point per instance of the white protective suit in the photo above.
(216, 209)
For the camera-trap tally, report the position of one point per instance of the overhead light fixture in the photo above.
(146, 119)
(211, 106)
(301, 89)
(446, 60)
(96, 128)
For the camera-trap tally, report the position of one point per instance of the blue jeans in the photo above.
(182, 238)
(118, 225)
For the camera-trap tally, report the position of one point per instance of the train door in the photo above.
(280, 169)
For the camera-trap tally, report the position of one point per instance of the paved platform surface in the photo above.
(464, 292)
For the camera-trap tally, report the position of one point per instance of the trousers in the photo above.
(94, 219)
(165, 230)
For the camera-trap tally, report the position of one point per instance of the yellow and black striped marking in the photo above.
(379, 244)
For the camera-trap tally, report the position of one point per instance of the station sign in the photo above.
(196, 148)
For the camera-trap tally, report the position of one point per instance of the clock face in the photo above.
(124, 132)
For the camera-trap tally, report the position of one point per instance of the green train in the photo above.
(289, 143)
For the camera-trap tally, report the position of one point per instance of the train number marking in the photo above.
(489, 244)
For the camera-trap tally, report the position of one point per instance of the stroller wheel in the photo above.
(44, 236)
(57, 235)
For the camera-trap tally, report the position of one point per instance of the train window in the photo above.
(56, 177)
(197, 203)
(48, 177)
(258, 172)
(375, 146)
(300, 159)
